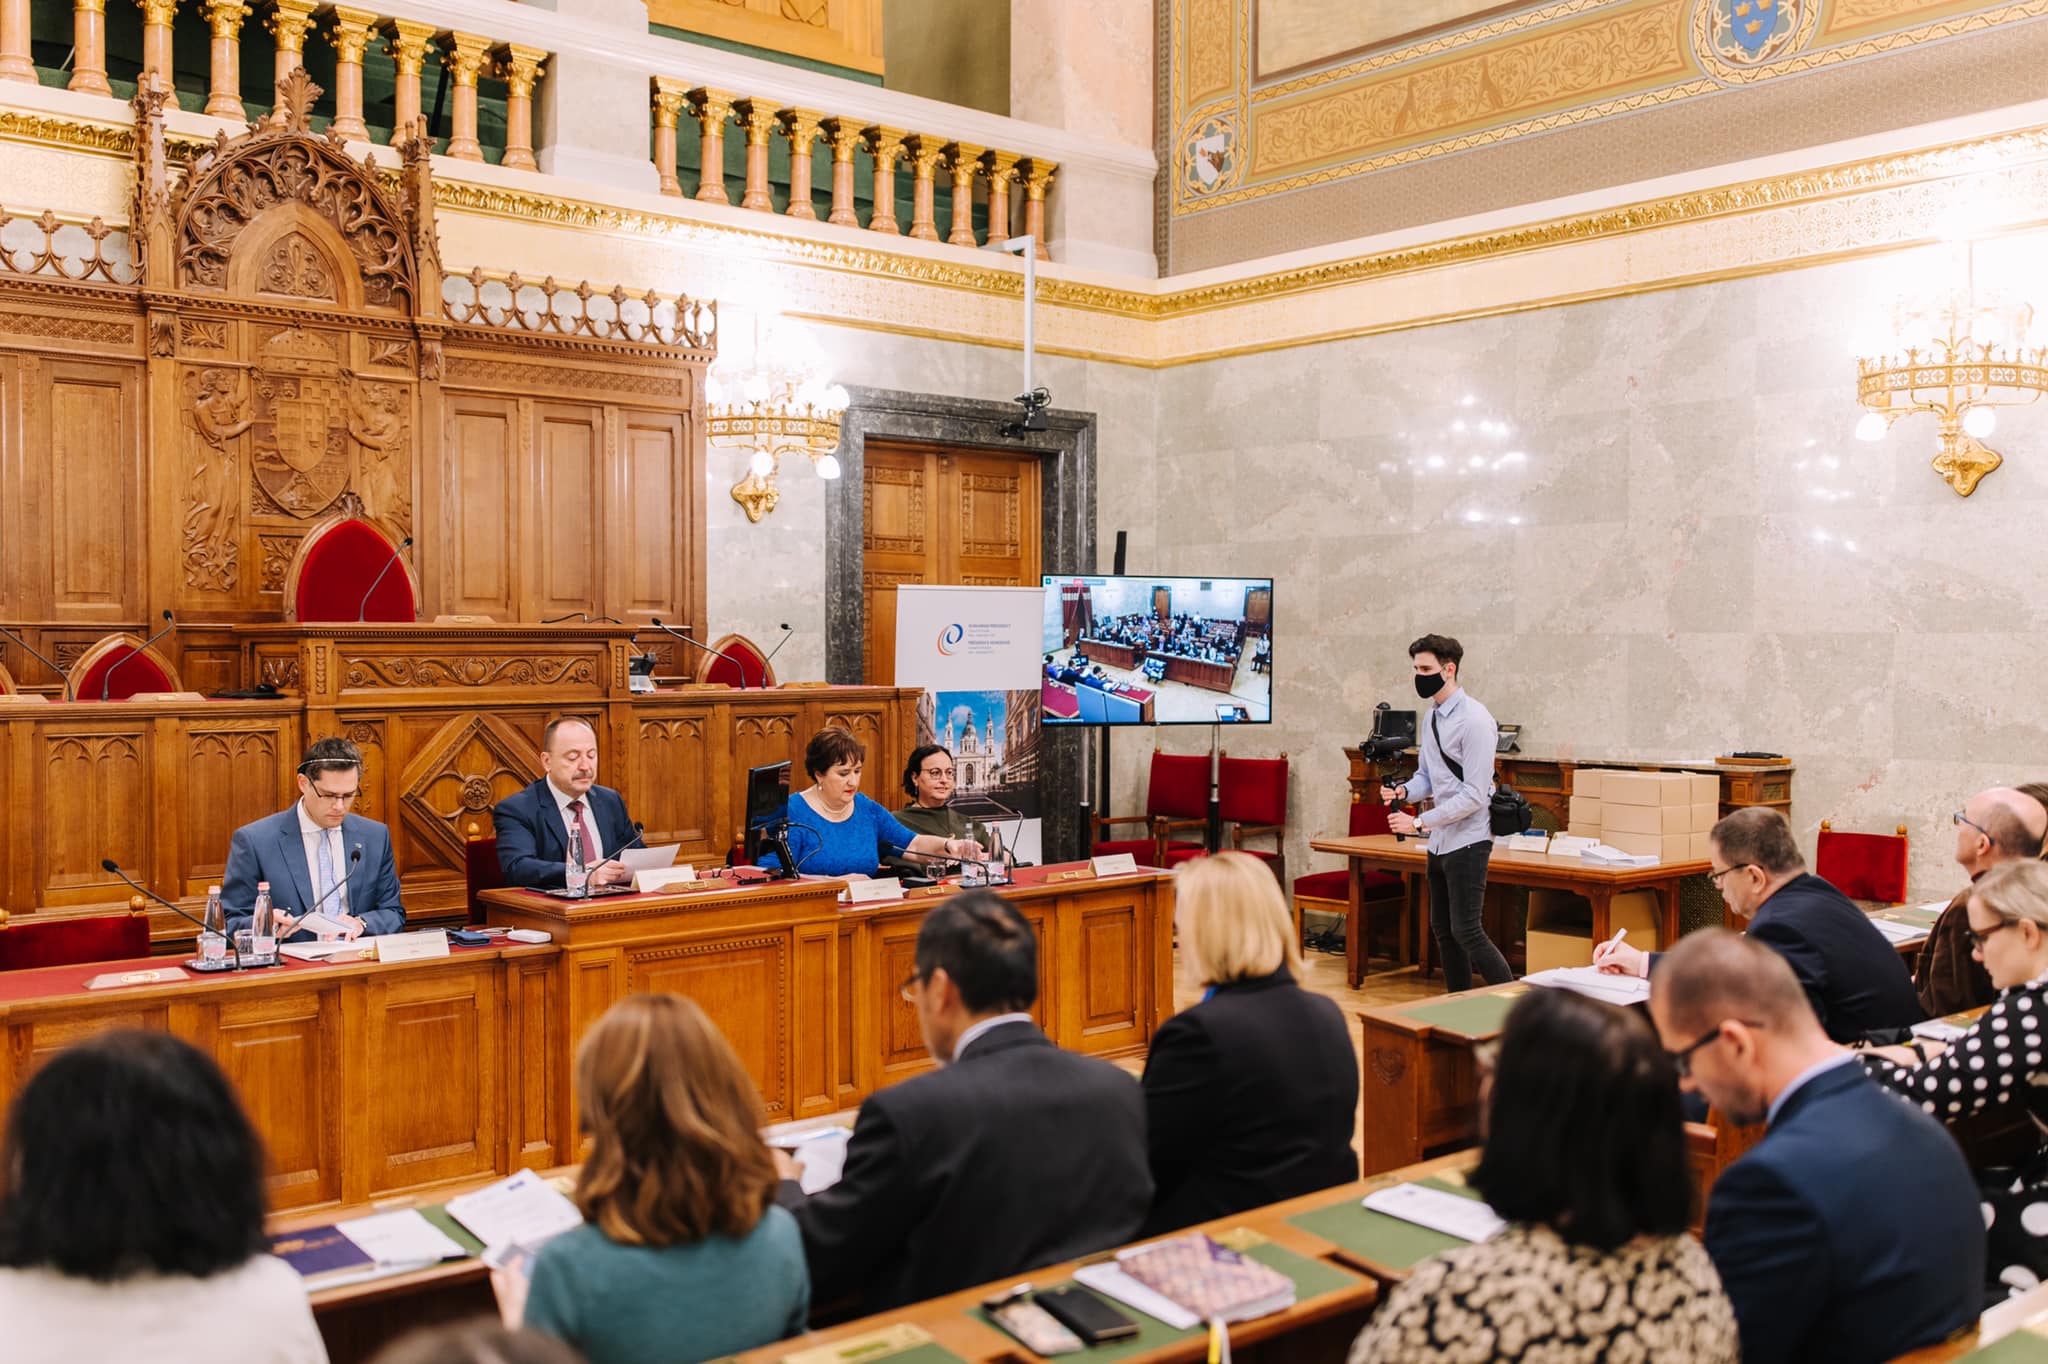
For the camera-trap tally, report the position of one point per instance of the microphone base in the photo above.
(208, 968)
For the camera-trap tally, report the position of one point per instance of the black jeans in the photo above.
(1457, 917)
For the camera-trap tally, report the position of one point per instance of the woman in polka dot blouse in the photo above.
(2003, 1058)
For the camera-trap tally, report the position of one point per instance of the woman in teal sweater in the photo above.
(682, 1255)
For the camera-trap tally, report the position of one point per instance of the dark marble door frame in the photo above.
(1066, 541)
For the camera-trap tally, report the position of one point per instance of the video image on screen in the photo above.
(1157, 651)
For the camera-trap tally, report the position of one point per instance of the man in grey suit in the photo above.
(318, 854)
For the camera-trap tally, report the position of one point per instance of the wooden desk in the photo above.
(1409, 859)
(363, 1079)
(1196, 672)
(1546, 780)
(1116, 655)
(806, 989)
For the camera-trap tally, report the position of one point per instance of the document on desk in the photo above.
(1896, 933)
(401, 1238)
(1452, 1214)
(328, 951)
(1592, 981)
(1939, 1030)
(649, 859)
(822, 1154)
(524, 1209)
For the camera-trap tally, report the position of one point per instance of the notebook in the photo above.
(1206, 1278)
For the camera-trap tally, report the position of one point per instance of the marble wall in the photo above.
(1648, 523)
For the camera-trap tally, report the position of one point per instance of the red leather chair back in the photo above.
(1179, 786)
(337, 567)
(1863, 866)
(1252, 790)
(74, 942)
(752, 669)
(143, 674)
(1367, 820)
(480, 872)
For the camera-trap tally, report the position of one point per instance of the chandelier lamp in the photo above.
(772, 410)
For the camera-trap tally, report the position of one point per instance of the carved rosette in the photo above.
(468, 672)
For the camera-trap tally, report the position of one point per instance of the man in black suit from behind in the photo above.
(1851, 1232)
(1011, 1156)
(1855, 980)
(533, 824)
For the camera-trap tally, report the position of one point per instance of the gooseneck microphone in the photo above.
(355, 855)
(787, 631)
(107, 678)
(39, 657)
(715, 653)
(363, 610)
(638, 830)
(108, 864)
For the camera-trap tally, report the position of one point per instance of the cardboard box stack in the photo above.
(1665, 815)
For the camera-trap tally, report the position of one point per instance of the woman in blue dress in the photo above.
(836, 831)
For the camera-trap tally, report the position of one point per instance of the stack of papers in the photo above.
(366, 1248)
(1601, 855)
(1591, 980)
(523, 1210)
(822, 1154)
(1468, 1219)
(1939, 1030)
(1896, 933)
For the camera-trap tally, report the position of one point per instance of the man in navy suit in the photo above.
(534, 824)
(318, 855)
(1851, 1232)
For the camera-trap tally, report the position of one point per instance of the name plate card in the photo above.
(660, 878)
(431, 942)
(874, 889)
(1122, 864)
(161, 975)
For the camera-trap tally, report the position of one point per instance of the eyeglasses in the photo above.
(1960, 818)
(1978, 940)
(1717, 876)
(1681, 1061)
(335, 797)
(938, 772)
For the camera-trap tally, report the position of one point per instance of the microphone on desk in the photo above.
(787, 631)
(107, 678)
(109, 864)
(715, 653)
(363, 610)
(355, 855)
(638, 830)
(62, 676)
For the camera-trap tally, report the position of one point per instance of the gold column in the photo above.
(224, 95)
(157, 17)
(464, 54)
(1001, 170)
(522, 68)
(711, 109)
(89, 43)
(885, 145)
(845, 139)
(758, 119)
(669, 98)
(351, 33)
(289, 21)
(16, 63)
(963, 160)
(925, 153)
(407, 42)
(800, 126)
(1037, 180)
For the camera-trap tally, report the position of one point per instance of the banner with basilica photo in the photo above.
(974, 650)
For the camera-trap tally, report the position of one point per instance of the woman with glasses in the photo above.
(2003, 1058)
(1584, 1156)
(928, 782)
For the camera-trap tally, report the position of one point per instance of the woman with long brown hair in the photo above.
(682, 1255)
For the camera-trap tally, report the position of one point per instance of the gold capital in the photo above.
(844, 135)
(711, 108)
(758, 118)
(999, 167)
(289, 20)
(1038, 176)
(887, 146)
(408, 44)
(159, 13)
(351, 33)
(522, 67)
(669, 98)
(463, 54)
(801, 127)
(225, 16)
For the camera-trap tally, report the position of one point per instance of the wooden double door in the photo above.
(935, 514)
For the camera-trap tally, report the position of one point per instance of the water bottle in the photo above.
(262, 926)
(213, 938)
(576, 874)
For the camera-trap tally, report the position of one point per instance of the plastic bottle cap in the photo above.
(213, 890)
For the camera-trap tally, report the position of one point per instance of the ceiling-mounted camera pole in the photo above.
(1034, 400)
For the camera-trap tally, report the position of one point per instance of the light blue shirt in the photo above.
(1459, 818)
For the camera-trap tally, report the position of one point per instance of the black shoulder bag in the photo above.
(1509, 811)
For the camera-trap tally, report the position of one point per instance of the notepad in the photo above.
(1938, 1030)
(1896, 933)
(524, 1209)
(1465, 1218)
(401, 1238)
(1593, 982)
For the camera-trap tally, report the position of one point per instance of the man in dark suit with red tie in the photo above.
(534, 824)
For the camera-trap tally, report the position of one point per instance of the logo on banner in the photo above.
(949, 639)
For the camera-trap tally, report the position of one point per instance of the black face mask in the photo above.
(1428, 684)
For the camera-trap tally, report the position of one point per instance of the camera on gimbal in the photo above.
(1393, 733)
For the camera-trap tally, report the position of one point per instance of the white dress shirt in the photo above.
(593, 854)
(967, 1039)
(312, 833)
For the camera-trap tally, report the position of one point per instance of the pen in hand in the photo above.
(1601, 952)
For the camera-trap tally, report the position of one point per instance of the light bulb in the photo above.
(761, 464)
(836, 398)
(1979, 422)
(1872, 426)
(828, 466)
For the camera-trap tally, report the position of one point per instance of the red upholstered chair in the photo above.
(336, 563)
(753, 669)
(95, 669)
(1252, 794)
(7, 685)
(480, 869)
(1176, 798)
(74, 942)
(1331, 890)
(1863, 866)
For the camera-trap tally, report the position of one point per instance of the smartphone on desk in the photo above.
(1086, 1315)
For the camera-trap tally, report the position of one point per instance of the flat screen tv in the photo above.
(1157, 651)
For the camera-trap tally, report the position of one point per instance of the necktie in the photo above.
(589, 838)
(325, 877)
